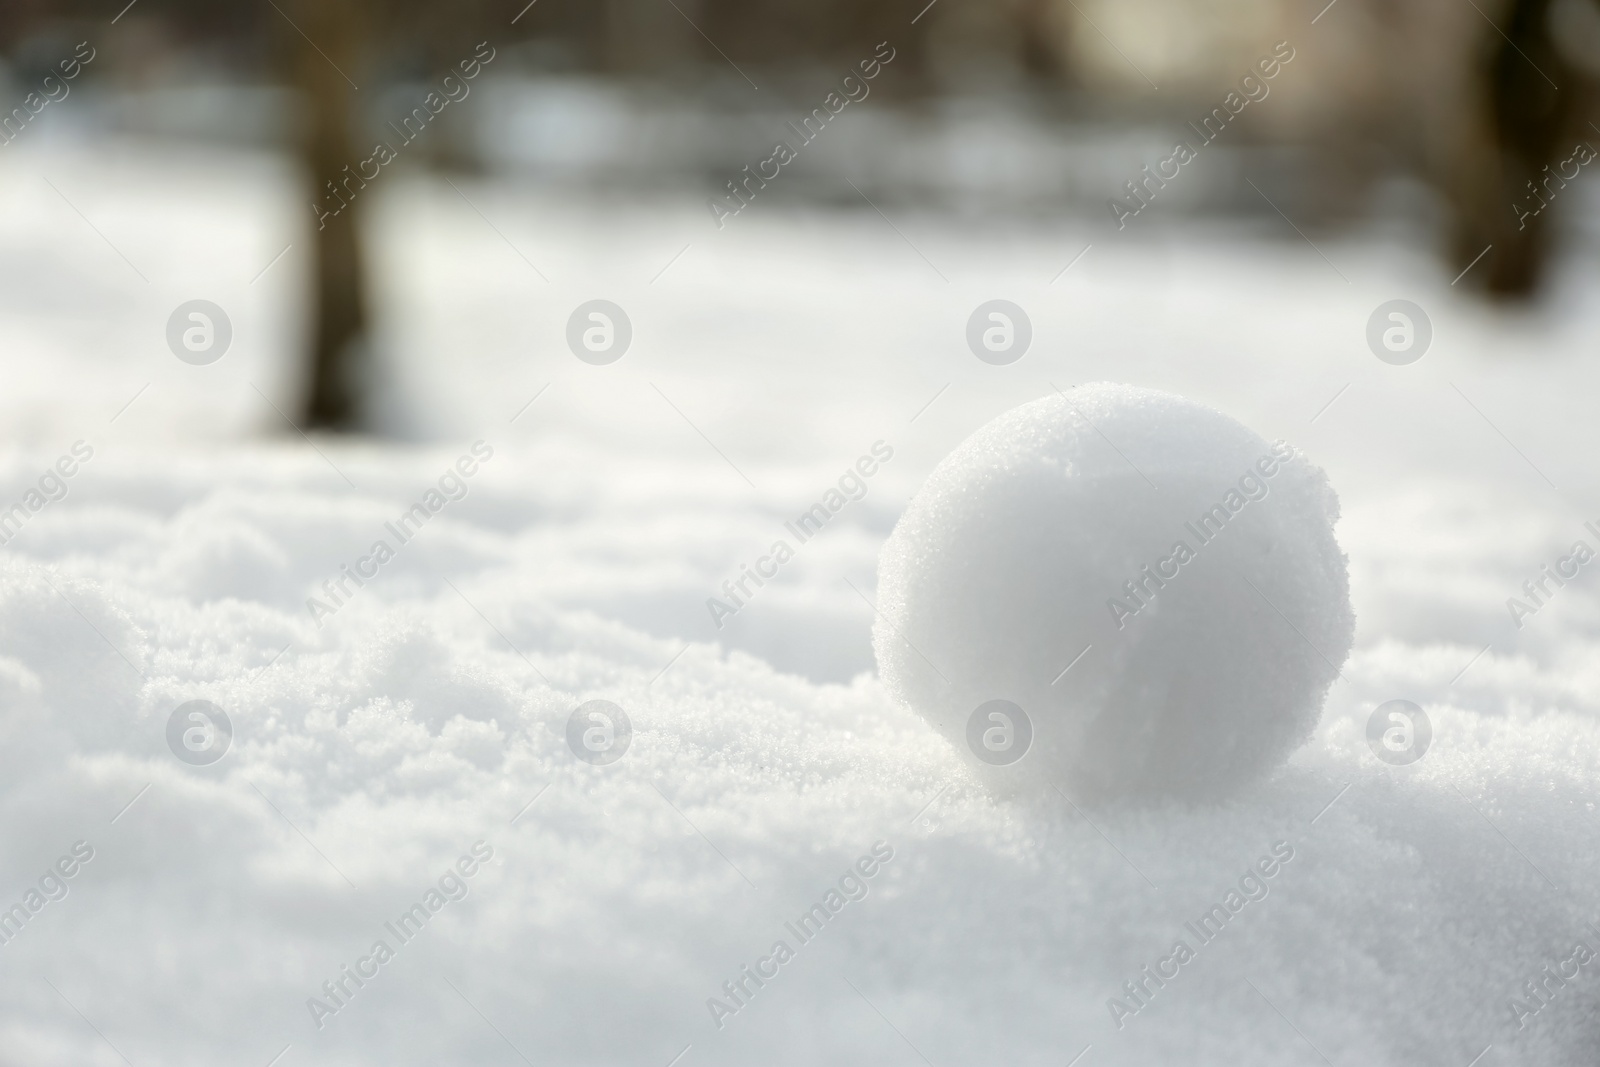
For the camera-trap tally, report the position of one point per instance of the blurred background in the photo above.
(1443, 115)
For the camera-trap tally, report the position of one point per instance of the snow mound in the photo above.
(1120, 589)
(425, 724)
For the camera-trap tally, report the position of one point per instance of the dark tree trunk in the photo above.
(328, 57)
(1525, 119)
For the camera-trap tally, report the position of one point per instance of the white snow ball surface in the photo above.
(1158, 538)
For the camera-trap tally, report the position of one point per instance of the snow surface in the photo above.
(371, 753)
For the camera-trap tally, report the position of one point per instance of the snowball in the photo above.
(1182, 568)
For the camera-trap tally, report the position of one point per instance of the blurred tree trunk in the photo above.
(328, 50)
(1521, 118)
(1530, 118)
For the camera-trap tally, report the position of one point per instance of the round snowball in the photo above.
(1120, 592)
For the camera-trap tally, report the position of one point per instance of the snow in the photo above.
(1178, 553)
(429, 713)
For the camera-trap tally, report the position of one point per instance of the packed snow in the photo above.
(409, 749)
(1158, 536)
